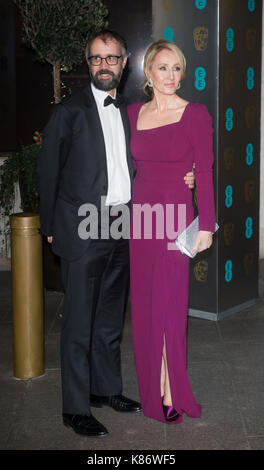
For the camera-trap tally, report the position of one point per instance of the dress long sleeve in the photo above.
(202, 140)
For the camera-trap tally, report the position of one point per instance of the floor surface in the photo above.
(226, 371)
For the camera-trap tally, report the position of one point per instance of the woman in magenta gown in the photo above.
(168, 136)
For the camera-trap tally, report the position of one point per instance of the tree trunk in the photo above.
(56, 82)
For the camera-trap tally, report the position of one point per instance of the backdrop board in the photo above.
(240, 31)
(221, 40)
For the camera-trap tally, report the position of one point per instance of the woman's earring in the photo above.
(178, 86)
(150, 83)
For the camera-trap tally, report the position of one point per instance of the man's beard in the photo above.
(106, 85)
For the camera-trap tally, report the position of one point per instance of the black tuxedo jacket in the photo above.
(72, 169)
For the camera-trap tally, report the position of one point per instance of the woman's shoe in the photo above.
(170, 413)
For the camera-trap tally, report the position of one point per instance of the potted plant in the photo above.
(20, 167)
(58, 31)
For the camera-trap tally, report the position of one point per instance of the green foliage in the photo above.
(20, 167)
(58, 30)
(9, 176)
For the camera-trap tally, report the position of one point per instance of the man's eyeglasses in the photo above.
(110, 59)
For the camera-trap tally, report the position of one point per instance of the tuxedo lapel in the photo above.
(95, 122)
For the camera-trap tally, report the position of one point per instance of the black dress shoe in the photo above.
(84, 425)
(117, 402)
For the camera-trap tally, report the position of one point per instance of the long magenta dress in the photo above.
(159, 276)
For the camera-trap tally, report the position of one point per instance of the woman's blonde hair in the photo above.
(150, 55)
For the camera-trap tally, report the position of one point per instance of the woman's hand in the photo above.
(203, 241)
(189, 179)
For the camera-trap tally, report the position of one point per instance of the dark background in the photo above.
(27, 85)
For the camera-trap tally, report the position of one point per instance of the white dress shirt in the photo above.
(119, 186)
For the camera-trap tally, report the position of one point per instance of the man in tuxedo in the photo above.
(85, 155)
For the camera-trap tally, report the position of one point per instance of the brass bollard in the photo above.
(27, 295)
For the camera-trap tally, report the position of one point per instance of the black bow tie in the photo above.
(116, 101)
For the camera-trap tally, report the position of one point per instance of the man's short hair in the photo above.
(107, 35)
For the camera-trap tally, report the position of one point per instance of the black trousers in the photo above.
(94, 303)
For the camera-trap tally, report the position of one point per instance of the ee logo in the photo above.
(251, 5)
(228, 270)
(249, 154)
(229, 196)
(250, 78)
(200, 4)
(229, 119)
(230, 39)
(249, 228)
(200, 74)
(168, 34)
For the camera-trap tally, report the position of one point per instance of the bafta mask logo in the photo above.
(200, 271)
(167, 4)
(229, 233)
(229, 157)
(251, 37)
(250, 114)
(200, 37)
(248, 263)
(249, 191)
(229, 79)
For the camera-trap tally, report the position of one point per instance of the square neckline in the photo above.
(160, 127)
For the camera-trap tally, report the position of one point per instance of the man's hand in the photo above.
(203, 241)
(50, 239)
(189, 178)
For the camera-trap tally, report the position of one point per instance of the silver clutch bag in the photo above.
(186, 240)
